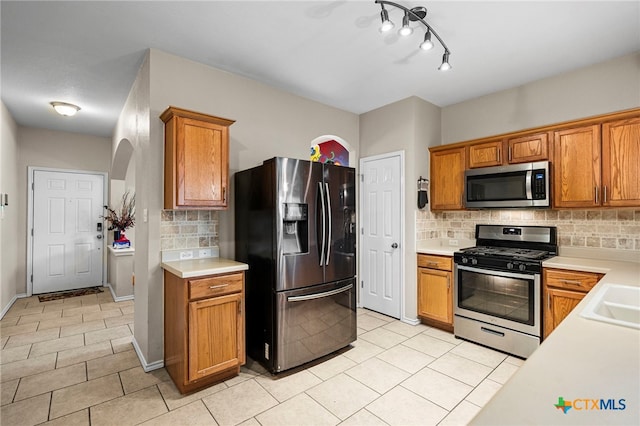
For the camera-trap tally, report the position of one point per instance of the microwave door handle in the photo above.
(528, 184)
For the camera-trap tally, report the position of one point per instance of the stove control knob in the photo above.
(509, 265)
(522, 267)
(465, 260)
(474, 261)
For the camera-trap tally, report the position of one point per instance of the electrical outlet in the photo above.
(184, 255)
(453, 243)
(205, 253)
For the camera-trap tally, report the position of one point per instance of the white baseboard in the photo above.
(412, 321)
(10, 304)
(145, 365)
(120, 298)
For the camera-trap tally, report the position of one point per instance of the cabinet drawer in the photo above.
(215, 286)
(571, 280)
(434, 262)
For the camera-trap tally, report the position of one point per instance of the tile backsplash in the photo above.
(182, 229)
(605, 228)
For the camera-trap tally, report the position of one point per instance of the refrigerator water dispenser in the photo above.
(295, 229)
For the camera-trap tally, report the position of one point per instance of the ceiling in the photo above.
(88, 53)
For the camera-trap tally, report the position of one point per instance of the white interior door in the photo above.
(381, 238)
(67, 245)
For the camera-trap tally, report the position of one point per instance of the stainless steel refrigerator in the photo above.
(295, 225)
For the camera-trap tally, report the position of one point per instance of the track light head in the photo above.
(445, 66)
(406, 30)
(386, 23)
(427, 44)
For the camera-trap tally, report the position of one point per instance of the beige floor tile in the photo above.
(18, 353)
(60, 322)
(461, 415)
(44, 316)
(361, 350)
(287, 387)
(131, 328)
(135, 379)
(300, 410)
(342, 395)
(18, 369)
(174, 399)
(70, 312)
(406, 358)
(122, 344)
(515, 361)
(118, 320)
(332, 367)
(377, 374)
(56, 345)
(110, 364)
(460, 368)
(84, 353)
(66, 304)
(18, 329)
(34, 337)
(384, 338)
(82, 327)
(361, 331)
(503, 372)
(368, 322)
(83, 395)
(8, 391)
(194, 414)
(242, 377)
(363, 418)
(3, 342)
(79, 418)
(429, 345)
(127, 310)
(9, 322)
(50, 380)
(88, 299)
(93, 316)
(17, 311)
(378, 315)
(251, 422)
(405, 329)
(403, 407)
(484, 392)
(239, 403)
(115, 305)
(106, 334)
(437, 388)
(131, 409)
(443, 335)
(28, 412)
(479, 354)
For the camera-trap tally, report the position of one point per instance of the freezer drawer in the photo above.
(314, 322)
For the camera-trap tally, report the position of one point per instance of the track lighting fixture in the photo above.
(415, 14)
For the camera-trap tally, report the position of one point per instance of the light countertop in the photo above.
(581, 359)
(204, 266)
(442, 247)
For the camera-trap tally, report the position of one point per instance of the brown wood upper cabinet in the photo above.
(512, 150)
(447, 179)
(597, 165)
(196, 161)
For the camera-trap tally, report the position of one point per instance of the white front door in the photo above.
(382, 233)
(67, 242)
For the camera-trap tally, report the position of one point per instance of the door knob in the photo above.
(394, 245)
(99, 236)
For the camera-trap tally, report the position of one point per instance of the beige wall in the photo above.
(606, 87)
(410, 125)
(10, 258)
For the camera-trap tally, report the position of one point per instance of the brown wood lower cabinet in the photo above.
(203, 329)
(563, 290)
(435, 291)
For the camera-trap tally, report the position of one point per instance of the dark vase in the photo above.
(116, 235)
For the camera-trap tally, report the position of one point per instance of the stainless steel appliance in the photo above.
(516, 185)
(295, 227)
(497, 287)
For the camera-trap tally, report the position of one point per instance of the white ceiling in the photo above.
(88, 53)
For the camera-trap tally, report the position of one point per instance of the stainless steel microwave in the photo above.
(512, 186)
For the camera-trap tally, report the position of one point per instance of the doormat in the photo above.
(69, 293)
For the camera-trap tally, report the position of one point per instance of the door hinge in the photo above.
(32, 278)
(361, 284)
(33, 186)
(362, 178)
(361, 231)
(32, 232)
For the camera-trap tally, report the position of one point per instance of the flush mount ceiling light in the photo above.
(415, 14)
(66, 109)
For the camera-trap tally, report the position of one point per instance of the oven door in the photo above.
(506, 299)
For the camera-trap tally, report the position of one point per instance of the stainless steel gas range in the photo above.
(497, 288)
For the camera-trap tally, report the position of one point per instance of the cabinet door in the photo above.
(621, 163)
(485, 154)
(576, 167)
(447, 179)
(558, 304)
(434, 295)
(528, 148)
(202, 163)
(216, 335)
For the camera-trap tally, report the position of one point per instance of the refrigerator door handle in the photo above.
(319, 295)
(324, 225)
(329, 236)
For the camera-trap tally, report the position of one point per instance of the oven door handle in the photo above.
(497, 273)
(319, 295)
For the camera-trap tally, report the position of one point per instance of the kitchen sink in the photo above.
(615, 304)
